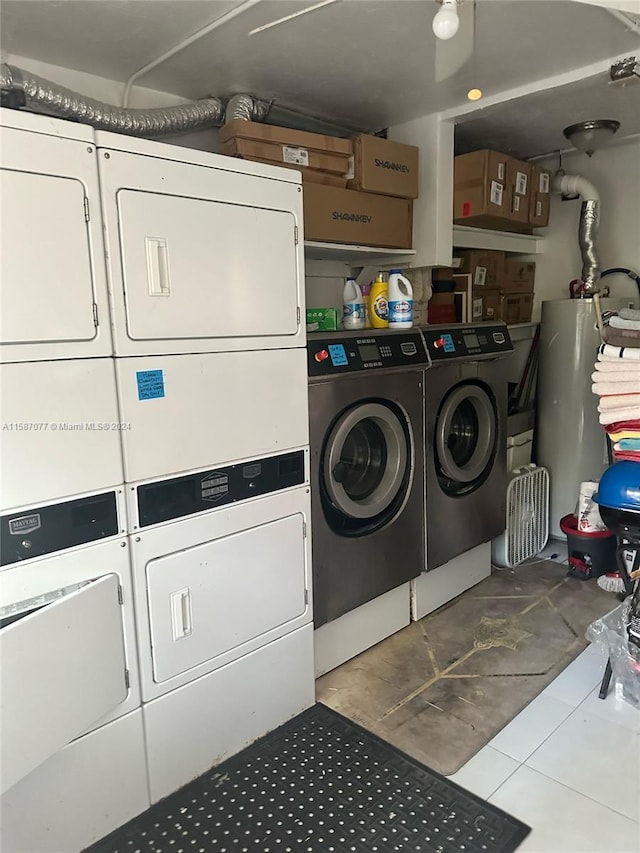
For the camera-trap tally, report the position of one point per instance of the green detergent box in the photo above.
(322, 319)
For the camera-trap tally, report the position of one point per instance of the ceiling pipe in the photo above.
(223, 19)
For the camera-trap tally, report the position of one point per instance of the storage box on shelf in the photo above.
(494, 190)
(320, 158)
(385, 167)
(348, 216)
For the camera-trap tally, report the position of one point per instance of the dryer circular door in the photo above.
(366, 468)
(466, 438)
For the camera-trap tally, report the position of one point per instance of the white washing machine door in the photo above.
(367, 463)
(465, 438)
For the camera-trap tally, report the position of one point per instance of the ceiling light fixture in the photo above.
(588, 136)
(474, 94)
(446, 22)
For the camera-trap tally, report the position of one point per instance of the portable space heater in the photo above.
(527, 522)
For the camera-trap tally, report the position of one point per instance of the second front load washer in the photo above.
(465, 394)
(366, 437)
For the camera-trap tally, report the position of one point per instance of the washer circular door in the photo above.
(366, 468)
(466, 438)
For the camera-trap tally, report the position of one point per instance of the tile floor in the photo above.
(568, 765)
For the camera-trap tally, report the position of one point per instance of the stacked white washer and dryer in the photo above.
(202, 383)
(206, 277)
(71, 723)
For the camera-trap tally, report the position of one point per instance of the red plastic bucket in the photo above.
(590, 554)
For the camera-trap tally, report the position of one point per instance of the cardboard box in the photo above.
(526, 307)
(519, 277)
(540, 201)
(240, 129)
(480, 183)
(511, 308)
(490, 190)
(442, 299)
(325, 318)
(346, 216)
(519, 183)
(271, 152)
(385, 167)
(441, 314)
(486, 267)
(486, 303)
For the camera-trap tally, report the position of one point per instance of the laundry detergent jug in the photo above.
(400, 301)
(378, 310)
(352, 305)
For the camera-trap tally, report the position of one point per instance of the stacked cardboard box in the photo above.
(321, 159)
(493, 190)
(382, 179)
(507, 294)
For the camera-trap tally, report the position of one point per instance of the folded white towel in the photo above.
(629, 314)
(606, 352)
(611, 416)
(615, 371)
(621, 323)
(618, 401)
(605, 389)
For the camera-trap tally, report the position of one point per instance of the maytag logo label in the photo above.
(389, 164)
(24, 524)
(351, 217)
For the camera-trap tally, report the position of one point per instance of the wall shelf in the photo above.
(356, 255)
(466, 237)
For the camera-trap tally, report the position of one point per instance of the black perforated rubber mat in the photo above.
(319, 784)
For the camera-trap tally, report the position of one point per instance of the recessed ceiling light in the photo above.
(474, 94)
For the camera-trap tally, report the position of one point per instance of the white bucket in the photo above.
(589, 520)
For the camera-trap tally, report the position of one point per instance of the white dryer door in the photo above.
(202, 268)
(63, 668)
(210, 599)
(53, 292)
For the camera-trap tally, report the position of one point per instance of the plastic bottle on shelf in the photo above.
(352, 305)
(400, 301)
(378, 308)
(366, 295)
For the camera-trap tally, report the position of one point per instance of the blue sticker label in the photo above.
(449, 345)
(150, 384)
(338, 355)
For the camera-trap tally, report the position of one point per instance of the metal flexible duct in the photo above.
(588, 227)
(40, 95)
(247, 108)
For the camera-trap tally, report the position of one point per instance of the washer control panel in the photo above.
(369, 349)
(478, 341)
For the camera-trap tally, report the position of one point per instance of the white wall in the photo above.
(615, 172)
(110, 91)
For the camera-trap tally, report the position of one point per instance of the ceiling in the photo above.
(367, 64)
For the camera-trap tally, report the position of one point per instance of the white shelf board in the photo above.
(466, 237)
(352, 254)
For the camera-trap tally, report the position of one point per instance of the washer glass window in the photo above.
(366, 467)
(465, 439)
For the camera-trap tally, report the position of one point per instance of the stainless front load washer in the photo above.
(465, 393)
(367, 465)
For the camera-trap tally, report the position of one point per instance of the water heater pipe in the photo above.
(588, 227)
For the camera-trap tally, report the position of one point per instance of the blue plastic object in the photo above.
(619, 487)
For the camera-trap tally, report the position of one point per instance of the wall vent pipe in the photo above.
(588, 227)
(22, 89)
